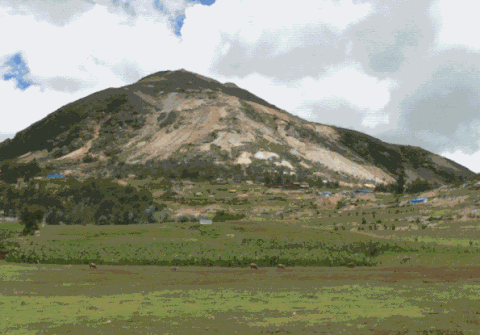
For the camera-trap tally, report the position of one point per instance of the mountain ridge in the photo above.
(182, 116)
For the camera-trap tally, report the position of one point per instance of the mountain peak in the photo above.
(173, 116)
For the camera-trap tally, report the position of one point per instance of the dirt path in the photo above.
(81, 152)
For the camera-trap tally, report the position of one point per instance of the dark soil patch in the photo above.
(393, 275)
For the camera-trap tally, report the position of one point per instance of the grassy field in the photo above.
(48, 287)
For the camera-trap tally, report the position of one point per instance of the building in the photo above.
(205, 221)
(56, 176)
(362, 191)
(418, 201)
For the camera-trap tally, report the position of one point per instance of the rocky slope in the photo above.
(179, 115)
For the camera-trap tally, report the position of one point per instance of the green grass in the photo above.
(146, 299)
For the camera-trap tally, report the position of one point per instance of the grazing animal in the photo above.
(351, 265)
(404, 259)
(254, 266)
(68, 266)
(93, 266)
(174, 268)
(281, 266)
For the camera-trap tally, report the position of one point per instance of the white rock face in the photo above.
(286, 164)
(265, 155)
(244, 158)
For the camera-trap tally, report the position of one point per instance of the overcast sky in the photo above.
(406, 72)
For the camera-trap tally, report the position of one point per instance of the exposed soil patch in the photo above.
(243, 223)
(395, 274)
(116, 272)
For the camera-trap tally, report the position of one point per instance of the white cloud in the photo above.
(457, 23)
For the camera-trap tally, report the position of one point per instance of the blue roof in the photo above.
(56, 176)
(362, 191)
(418, 200)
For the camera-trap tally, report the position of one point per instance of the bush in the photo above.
(364, 221)
(89, 159)
(222, 216)
(54, 217)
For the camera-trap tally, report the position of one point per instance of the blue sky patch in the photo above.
(157, 4)
(18, 71)
(179, 24)
(204, 2)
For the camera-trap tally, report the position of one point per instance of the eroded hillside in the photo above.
(181, 116)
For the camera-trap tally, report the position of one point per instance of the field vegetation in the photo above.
(354, 263)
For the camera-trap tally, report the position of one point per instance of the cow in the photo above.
(254, 266)
(93, 266)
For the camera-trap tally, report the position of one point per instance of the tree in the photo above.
(401, 180)
(30, 216)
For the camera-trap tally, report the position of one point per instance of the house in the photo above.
(304, 185)
(56, 176)
(418, 201)
(219, 181)
(325, 193)
(205, 221)
(362, 191)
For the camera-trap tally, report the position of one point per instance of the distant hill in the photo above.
(176, 119)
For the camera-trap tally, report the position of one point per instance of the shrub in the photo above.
(222, 216)
(89, 159)
(364, 221)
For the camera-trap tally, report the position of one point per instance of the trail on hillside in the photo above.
(81, 152)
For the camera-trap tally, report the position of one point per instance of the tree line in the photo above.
(98, 201)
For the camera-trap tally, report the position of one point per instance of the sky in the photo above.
(406, 72)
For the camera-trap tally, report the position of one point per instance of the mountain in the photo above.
(181, 119)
